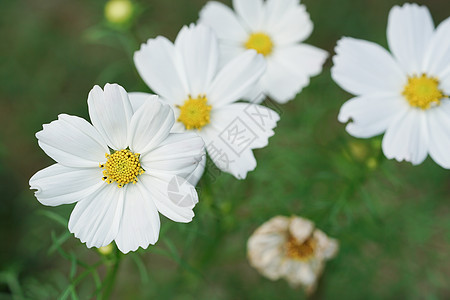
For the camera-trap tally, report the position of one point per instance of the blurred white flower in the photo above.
(274, 28)
(204, 96)
(404, 94)
(119, 170)
(291, 248)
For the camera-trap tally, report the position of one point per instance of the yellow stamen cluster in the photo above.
(423, 91)
(195, 112)
(261, 42)
(300, 251)
(122, 166)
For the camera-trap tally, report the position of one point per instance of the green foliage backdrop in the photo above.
(392, 219)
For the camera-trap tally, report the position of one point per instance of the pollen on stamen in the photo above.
(195, 112)
(260, 42)
(122, 166)
(423, 92)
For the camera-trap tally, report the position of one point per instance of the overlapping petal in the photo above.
(438, 126)
(160, 67)
(235, 130)
(174, 197)
(72, 142)
(223, 21)
(288, 22)
(289, 70)
(407, 137)
(236, 78)
(199, 52)
(150, 125)
(140, 222)
(96, 219)
(179, 154)
(251, 13)
(110, 111)
(437, 56)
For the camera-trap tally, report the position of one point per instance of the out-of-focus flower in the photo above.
(404, 94)
(120, 170)
(291, 248)
(106, 250)
(204, 96)
(276, 29)
(119, 11)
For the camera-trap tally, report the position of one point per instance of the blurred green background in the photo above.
(392, 219)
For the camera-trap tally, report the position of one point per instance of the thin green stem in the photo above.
(112, 275)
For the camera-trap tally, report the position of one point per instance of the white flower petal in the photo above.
(407, 137)
(110, 111)
(150, 125)
(301, 274)
(437, 56)
(199, 51)
(256, 94)
(223, 21)
(160, 67)
(236, 78)
(197, 174)
(58, 184)
(236, 130)
(173, 196)
(302, 58)
(409, 30)
(96, 219)
(251, 13)
(179, 154)
(293, 25)
(289, 69)
(228, 51)
(72, 142)
(276, 10)
(138, 98)
(281, 83)
(140, 222)
(362, 67)
(371, 115)
(439, 133)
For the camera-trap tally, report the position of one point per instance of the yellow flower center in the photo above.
(423, 91)
(261, 42)
(122, 167)
(300, 251)
(194, 113)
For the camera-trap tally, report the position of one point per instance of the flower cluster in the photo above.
(143, 154)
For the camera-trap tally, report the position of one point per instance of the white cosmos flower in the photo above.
(404, 94)
(276, 29)
(120, 171)
(291, 248)
(186, 75)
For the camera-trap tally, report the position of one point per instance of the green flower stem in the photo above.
(112, 275)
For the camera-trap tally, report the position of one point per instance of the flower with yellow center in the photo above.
(195, 113)
(291, 248)
(260, 42)
(276, 29)
(122, 166)
(204, 93)
(403, 94)
(119, 170)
